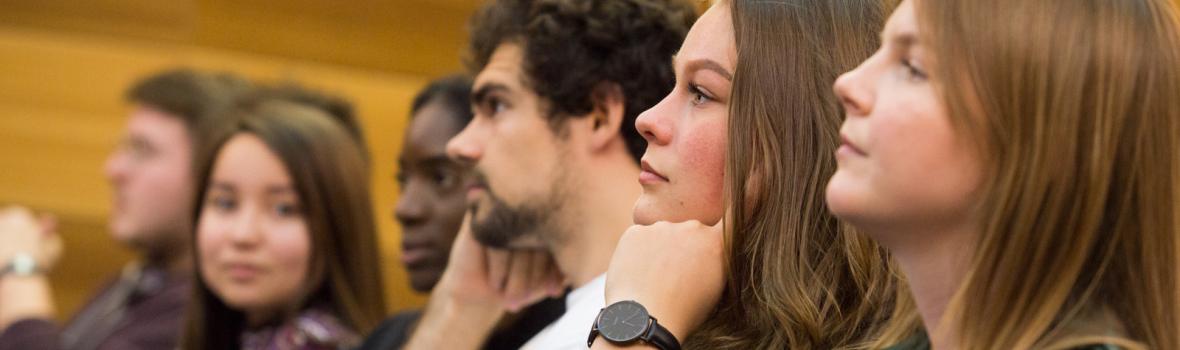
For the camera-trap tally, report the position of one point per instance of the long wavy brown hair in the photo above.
(1076, 108)
(798, 277)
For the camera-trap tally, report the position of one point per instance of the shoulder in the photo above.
(918, 341)
(393, 332)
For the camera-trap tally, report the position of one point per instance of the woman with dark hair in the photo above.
(285, 239)
(736, 249)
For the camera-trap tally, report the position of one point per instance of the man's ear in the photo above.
(607, 115)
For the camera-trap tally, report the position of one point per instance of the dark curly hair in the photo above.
(573, 46)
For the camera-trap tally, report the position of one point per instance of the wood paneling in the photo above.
(407, 36)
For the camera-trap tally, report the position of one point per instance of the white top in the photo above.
(571, 330)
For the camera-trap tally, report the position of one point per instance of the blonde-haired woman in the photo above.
(1020, 161)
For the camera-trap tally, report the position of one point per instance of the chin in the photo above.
(842, 202)
(422, 285)
(643, 213)
(237, 300)
(119, 230)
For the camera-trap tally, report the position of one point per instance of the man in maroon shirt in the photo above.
(143, 306)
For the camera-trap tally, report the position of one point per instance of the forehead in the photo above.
(711, 37)
(503, 68)
(149, 122)
(902, 22)
(431, 127)
(246, 159)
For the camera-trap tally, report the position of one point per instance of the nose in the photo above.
(654, 123)
(412, 206)
(465, 147)
(855, 91)
(115, 168)
(245, 230)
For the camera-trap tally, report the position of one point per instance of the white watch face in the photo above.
(23, 264)
(623, 321)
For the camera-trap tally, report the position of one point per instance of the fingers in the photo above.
(498, 268)
(530, 276)
(48, 224)
(555, 281)
(517, 282)
(14, 210)
(16, 216)
(51, 250)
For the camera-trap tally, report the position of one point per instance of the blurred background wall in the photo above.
(64, 65)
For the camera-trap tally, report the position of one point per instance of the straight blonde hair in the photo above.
(1075, 106)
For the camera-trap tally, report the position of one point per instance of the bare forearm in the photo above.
(25, 297)
(451, 324)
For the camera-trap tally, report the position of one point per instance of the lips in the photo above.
(474, 191)
(847, 146)
(415, 253)
(242, 272)
(648, 175)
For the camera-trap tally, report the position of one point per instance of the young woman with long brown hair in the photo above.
(1020, 160)
(285, 238)
(752, 110)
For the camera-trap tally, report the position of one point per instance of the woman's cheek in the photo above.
(703, 155)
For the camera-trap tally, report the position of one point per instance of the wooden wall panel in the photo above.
(407, 36)
(61, 112)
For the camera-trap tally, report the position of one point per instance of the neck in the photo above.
(258, 318)
(934, 262)
(600, 215)
(175, 258)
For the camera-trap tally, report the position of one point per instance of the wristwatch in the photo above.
(22, 264)
(626, 322)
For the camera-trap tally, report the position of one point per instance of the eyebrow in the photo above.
(430, 161)
(905, 39)
(437, 160)
(481, 93)
(223, 187)
(139, 140)
(273, 189)
(280, 189)
(709, 65)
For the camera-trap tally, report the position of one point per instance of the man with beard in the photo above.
(556, 157)
(430, 211)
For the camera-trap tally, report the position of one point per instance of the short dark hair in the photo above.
(454, 92)
(572, 46)
(193, 96)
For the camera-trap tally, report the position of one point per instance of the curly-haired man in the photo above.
(553, 145)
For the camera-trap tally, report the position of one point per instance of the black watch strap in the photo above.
(660, 337)
(656, 335)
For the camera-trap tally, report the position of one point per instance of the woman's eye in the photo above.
(287, 209)
(912, 71)
(698, 96)
(223, 203)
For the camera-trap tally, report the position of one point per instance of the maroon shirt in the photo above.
(152, 318)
